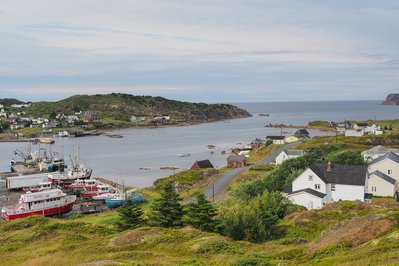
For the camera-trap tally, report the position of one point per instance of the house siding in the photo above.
(302, 182)
(346, 192)
(385, 165)
(307, 200)
(383, 188)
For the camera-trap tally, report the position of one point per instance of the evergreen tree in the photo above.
(201, 214)
(167, 211)
(130, 216)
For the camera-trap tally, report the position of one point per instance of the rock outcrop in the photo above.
(392, 99)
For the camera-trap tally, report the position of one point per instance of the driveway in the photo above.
(216, 190)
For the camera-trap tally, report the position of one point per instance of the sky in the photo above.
(208, 50)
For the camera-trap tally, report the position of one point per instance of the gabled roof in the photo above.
(204, 164)
(309, 191)
(341, 174)
(302, 131)
(384, 177)
(275, 137)
(294, 152)
(377, 150)
(392, 156)
(236, 158)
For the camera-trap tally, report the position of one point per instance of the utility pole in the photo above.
(213, 192)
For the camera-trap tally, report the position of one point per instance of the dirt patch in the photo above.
(136, 236)
(102, 263)
(354, 232)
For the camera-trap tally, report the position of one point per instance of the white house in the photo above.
(325, 183)
(280, 140)
(376, 152)
(288, 154)
(387, 164)
(373, 129)
(354, 133)
(360, 126)
(380, 184)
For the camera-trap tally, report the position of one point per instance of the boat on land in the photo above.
(97, 191)
(118, 199)
(40, 187)
(45, 203)
(79, 185)
(79, 171)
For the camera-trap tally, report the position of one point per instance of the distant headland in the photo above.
(115, 110)
(392, 99)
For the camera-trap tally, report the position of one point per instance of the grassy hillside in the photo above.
(121, 107)
(345, 233)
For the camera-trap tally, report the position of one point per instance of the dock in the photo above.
(109, 182)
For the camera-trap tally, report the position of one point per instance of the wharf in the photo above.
(109, 182)
(22, 169)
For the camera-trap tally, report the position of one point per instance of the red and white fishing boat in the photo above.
(46, 203)
(99, 190)
(79, 185)
(77, 172)
(40, 187)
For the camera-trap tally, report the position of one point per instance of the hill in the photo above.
(121, 107)
(9, 101)
(392, 99)
(344, 233)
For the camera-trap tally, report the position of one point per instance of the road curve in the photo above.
(221, 182)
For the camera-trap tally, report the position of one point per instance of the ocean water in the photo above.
(119, 159)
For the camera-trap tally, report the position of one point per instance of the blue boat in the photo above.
(120, 199)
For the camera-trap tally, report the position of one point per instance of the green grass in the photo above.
(262, 152)
(93, 238)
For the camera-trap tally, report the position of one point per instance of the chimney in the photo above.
(329, 167)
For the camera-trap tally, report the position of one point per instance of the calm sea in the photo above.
(154, 148)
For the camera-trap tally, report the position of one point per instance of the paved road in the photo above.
(217, 187)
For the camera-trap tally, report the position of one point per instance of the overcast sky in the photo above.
(208, 50)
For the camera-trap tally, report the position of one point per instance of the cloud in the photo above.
(240, 50)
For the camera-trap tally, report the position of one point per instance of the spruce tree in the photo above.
(201, 214)
(167, 211)
(130, 216)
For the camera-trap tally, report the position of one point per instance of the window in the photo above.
(332, 187)
(316, 186)
(373, 189)
(389, 171)
(310, 178)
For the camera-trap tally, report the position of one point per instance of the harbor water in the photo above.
(154, 148)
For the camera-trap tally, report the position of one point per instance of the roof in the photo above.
(392, 156)
(362, 124)
(377, 150)
(384, 177)
(294, 152)
(236, 158)
(309, 191)
(275, 137)
(204, 164)
(302, 131)
(341, 174)
(287, 190)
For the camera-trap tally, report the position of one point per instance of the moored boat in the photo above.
(46, 203)
(46, 141)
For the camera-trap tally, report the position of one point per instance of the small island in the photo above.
(392, 99)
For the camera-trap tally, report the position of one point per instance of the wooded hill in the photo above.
(118, 106)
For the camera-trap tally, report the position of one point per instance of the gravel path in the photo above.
(216, 190)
